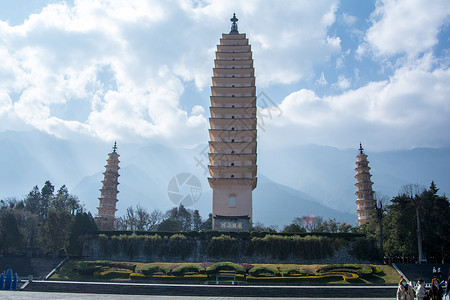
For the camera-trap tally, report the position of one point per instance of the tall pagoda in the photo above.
(364, 193)
(233, 132)
(108, 196)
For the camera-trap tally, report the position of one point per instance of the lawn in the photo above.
(269, 273)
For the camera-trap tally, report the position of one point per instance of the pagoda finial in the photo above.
(361, 149)
(115, 147)
(234, 27)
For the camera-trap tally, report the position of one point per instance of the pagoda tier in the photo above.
(233, 131)
(108, 192)
(364, 193)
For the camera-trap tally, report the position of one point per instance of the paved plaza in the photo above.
(22, 295)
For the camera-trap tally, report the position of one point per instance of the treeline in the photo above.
(416, 215)
(44, 220)
(175, 219)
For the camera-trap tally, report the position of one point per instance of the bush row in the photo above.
(223, 246)
(208, 234)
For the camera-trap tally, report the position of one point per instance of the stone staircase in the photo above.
(424, 271)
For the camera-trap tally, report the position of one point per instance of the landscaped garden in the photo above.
(346, 274)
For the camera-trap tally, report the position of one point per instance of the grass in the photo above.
(388, 276)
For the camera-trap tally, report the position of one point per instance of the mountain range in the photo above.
(292, 181)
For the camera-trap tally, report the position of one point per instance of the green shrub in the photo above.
(137, 276)
(225, 266)
(263, 271)
(187, 270)
(86, 268)
(360, 270)
(113, 274)
(161, 269)
(222, 246)
(294, 272)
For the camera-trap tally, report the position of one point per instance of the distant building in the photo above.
(108, 196)
(233, 132)
(364, 194)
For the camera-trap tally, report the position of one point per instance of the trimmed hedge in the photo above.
(294, 272)
(264, 272)
(113, 273)
(137, 276)
(187, 270)
(360, 270)
(161, 269)
(225, 266)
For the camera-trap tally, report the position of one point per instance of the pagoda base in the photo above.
(231, 223)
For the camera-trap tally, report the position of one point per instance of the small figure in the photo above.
(405, 291)
(436, 290)
(421, 292)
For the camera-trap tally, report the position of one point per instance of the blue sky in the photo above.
(333, 72)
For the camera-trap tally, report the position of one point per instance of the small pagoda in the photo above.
(108, 196)
(364, 193)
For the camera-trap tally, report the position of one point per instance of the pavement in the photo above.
(23, 295)
(213, 291)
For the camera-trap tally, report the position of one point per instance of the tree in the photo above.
(294, 228)
(33, 200)
(170, 225)
(156, 216)
(55, 231)
(197, 220)
(10, 237)
(83, 224)
(63, 201)
(207, 224)
(310, 223)
(46, 198)
(414, 192)
(435, 216)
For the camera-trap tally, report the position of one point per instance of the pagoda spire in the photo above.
(108, 192)
(364, 193)
(234, 27)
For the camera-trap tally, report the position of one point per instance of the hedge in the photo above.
(225, 266)
(150, 271)
(113, 273)
(187, 270)
(264, 272)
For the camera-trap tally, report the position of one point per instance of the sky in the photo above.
(328, 72)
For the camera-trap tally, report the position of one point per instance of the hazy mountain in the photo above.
(291, 182)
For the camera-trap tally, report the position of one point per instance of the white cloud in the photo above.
(409, 110)
(321, 81)
(406, 27)
(117, 70)
(343, 82)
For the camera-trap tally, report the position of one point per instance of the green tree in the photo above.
(83, 224)
(55, 231)
(63, 201)
(435, 212)
(10, 237)
(46, 197)
(207, 224)
(197, 220)
(292, 228)
(33, 200)
(170, 225)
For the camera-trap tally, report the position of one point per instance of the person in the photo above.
(436, 290)
(448, 288)
(404, 291)
(421, 291)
